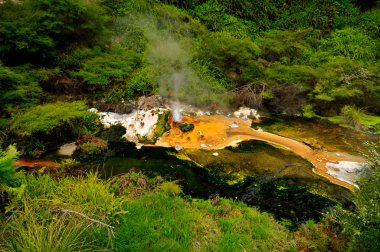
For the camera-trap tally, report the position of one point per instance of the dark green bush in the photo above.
(110, 67)
(278, 45)
(19, 89)
(352, 43)
(8, 175)
(46, 118)
(37, 31)
(234, 58)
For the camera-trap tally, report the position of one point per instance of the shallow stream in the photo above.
(262, 174)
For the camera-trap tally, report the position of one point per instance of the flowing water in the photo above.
(284, 173)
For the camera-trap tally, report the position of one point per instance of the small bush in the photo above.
(8, 175)
(308, 111)
(170, 188)
(353, 116)
(90, 146)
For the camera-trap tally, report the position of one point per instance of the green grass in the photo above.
(366, 120)
(74, 214)
(157, 222)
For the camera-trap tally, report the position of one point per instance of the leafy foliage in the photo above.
(19, 89)
(8, 173)
(48, 117)
(351, 43)
(111, 67)
(37, 30)
(363, 225)
(232, 57)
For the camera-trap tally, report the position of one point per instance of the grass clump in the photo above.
(27, 230)
(353, 116)
(69, 214)
(170, 188)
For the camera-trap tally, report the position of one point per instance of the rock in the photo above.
(215, 154)
(139, 145)
(178, 147)
(186, 127)
(142, 125)
(245, 113)
(234, 125)
(150, 102)
(67, 149)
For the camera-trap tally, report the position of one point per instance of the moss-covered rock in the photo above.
(90, 146)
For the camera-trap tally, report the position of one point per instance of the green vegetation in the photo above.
(90, 146)
(8, 175)
(175, 224)
(356, 118)
(61, 121)
(48, 117)
(286, 56)
(74, 214)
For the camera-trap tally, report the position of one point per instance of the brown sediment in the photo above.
(215, 132)
(35, 163)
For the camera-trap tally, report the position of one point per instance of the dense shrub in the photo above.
(38, 30)
(351, 43)
(45, 127)
(19, 89)
(46, 118)
(8, 175)
(216, 18)
(113, 66)
(232, 57)
(177, 22)
(369, 21)
(281, 45)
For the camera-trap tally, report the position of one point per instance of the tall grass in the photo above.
(353, 116)
(38, 230)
